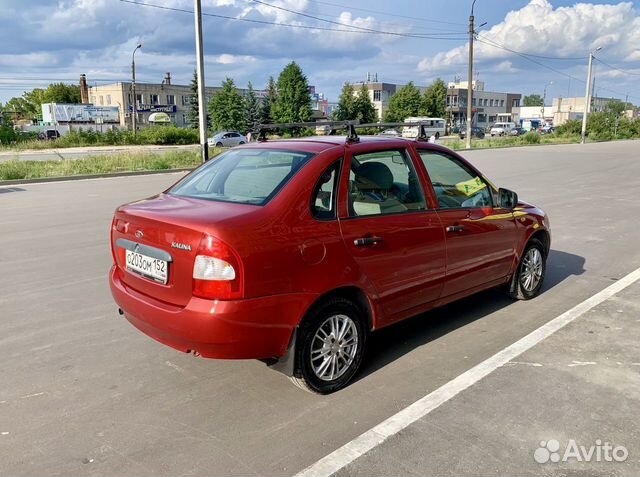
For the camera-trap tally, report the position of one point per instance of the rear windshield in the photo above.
(247, 176)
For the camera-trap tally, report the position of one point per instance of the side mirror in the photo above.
(507, 199)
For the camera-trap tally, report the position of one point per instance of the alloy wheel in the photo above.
(334, 347)
(531, 271)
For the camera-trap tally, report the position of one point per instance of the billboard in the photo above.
(155, 108)
(79, 113)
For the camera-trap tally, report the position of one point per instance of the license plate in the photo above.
(151, 268)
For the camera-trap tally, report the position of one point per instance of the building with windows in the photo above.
(380, 92)
(172, 99)
(566, 109)
(488, 107)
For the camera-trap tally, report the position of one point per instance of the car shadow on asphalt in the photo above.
(389, 344)
(4, 190)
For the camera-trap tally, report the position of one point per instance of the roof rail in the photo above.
(350, 126)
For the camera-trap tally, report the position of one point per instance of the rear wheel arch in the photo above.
(351, 293)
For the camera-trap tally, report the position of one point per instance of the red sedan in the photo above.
(293, 251)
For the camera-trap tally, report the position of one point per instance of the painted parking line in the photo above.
(377, 435)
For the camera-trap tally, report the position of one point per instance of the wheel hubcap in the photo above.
(334, 347)
(531, 272)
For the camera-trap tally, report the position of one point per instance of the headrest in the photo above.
(374, 175)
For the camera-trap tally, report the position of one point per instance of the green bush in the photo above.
(531, 138)
(569, 128)
(7, 134)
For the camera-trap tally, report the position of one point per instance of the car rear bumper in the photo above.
(257, 328)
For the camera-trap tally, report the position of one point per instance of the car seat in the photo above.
(371, 192)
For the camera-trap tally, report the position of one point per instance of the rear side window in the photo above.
(246, 176)
(323, 200)
(382, 183)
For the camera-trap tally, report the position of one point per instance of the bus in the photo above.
(433, 127)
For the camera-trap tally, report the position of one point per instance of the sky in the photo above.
(522, 47)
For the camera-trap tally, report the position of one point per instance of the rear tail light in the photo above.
(217, 273)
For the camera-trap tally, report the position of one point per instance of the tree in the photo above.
(293, 103)
(29, 105)
(435, 98)
(405, 103)
(346, 108)
(193, 113)
(533, 100)
(616, 107)
(226, 107)
(267, 102)
(251, 109)
(365, 110)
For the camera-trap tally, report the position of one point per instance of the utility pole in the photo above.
(202, 108)
(134, 107)
(469, 87)
(544, 99)
(587, 98)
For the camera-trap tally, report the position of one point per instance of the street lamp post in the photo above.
(544, 98)
(587, 98)
(134, 108)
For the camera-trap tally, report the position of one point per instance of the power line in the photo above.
(264, 22)
(419, 19)
(334, 22)
(500, 45)
(617, 69)
(523, 55)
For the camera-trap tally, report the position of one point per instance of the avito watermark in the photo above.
(550, 451)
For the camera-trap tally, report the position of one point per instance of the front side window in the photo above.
(456, 186)
(248, 176)
(384, 182)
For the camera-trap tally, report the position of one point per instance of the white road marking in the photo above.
(375, 436)
(523, 363)
(34, 395)
(581, 363)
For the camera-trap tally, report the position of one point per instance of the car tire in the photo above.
(437, 135)
(318, 367)
(527, 281)
(241, 143)
(218, 144)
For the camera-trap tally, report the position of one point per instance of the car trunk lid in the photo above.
(169, 229)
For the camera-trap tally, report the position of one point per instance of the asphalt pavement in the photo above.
(86, 394)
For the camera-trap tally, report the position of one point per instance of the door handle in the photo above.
(455, 228)
(367, 241)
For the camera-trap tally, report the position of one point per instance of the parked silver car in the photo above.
(226, 139)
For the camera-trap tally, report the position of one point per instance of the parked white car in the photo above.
(226, 139)
(502, 129)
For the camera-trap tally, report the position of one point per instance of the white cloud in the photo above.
(540, 29)
(226, 59)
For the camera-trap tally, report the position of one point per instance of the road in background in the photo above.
(87, 394)
(84, 152)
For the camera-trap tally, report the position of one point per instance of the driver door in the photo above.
(480, 238)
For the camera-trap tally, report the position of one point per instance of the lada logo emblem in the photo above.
(139, 234)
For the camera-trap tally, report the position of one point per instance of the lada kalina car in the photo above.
(294, 251)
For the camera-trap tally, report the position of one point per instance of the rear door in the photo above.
(397, 242)
(480, 238)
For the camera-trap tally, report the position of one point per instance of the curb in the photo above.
(90, 176)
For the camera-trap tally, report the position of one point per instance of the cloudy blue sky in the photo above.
(48, 40)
